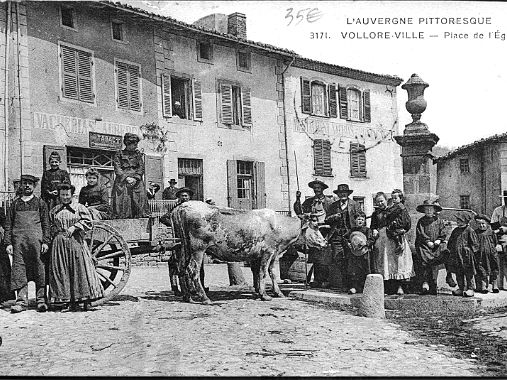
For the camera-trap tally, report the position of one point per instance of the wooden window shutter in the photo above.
(134, 88)
(342, 97)
(260, 184)
(61, 150)
(246, 107)
(366, 106)
(69, 73)
(154, 172)
(306, 96)
(197, 93)
(226, 103)
(84, 73)
(166, 95)
(322, 157)
(232, 184)
(333, 112)
(122, 84)
(357, 160)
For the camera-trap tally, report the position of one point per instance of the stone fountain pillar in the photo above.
(416, 144)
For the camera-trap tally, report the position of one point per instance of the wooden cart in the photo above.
(113, 242)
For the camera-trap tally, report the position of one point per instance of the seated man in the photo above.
(95, 196)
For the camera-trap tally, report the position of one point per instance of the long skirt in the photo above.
(388, 263)
(72, 273)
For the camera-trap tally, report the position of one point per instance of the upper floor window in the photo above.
(244, 61)
(235, 105)
(118, 32)
(318, 98)
(354, 104)
(464, 165)
(322, 158)
(181, 97)
(76, 68)
(357, 160)
(128, 86)
(204, 51)
(67, 16)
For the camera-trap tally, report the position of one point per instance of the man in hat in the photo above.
(27, 238)
(431, 250)
(129, 191)
(152, 190)
(499, 212)
(170, 192)
(183, 195)
(341, 218)
(318, 206)
(463, 245)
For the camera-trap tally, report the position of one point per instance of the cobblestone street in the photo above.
(148, 331)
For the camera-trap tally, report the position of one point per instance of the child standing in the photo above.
(398, 220)
(51, 178)
(486, 258)
(430, 247)
(463, 244)
(360, 241)
(501, 234)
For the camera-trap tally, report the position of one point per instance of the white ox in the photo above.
(257, 237)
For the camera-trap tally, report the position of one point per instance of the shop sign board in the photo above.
(105, 141)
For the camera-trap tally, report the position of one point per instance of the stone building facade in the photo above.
(340, 128)
(474, 175)
(229, 113)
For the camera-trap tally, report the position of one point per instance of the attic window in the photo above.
(244, 61)
(67, 16)
(117, 29)
(204, 51)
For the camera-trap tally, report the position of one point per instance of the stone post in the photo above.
(371, 304)
(416, 144)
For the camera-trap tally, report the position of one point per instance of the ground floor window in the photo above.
(246, 184)
(190, 175)
(464, 201)
(79, 160)
(360, 202)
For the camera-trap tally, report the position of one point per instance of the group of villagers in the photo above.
(343, 250)
(45, 236)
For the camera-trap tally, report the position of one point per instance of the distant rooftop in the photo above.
(474, 145)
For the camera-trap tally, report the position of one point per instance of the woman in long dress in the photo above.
(73, 278)
(391, 263)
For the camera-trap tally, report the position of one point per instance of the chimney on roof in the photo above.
(216, 22)
(236, 25)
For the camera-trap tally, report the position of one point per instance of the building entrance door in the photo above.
(190, 175)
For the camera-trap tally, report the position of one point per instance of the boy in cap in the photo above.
(360, 242)
(463, 245)
(486, 258)
(430, 247)
(129, 191)
(51, 178)
(27, 238)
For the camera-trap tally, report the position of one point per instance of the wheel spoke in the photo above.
(107, 279)
(112, 267)
(101, 246)
(118, 253)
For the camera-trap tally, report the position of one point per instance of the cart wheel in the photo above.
(111, 256)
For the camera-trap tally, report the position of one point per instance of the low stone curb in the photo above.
(417, 304)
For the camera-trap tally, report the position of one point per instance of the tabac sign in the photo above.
(105, 141)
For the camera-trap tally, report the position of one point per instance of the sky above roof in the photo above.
(466, 75)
